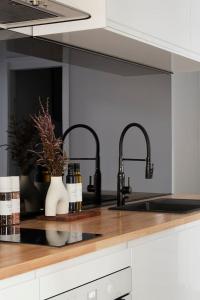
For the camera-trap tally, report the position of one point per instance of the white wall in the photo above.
(108, 102)
(186, 132)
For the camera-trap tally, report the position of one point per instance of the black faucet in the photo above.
(96, 187)
(122, 189)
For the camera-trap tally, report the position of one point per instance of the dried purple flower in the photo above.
(51, 156)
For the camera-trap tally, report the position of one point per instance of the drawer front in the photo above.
(67, 279)
(109, 287)
(129, 297)
(27, 290)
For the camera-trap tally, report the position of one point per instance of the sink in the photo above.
(109, 198)
(164, 205)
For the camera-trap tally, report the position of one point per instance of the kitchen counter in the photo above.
(115, 226)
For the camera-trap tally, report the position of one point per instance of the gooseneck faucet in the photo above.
(96, 187)
(122, 189)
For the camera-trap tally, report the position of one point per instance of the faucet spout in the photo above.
(121, 189)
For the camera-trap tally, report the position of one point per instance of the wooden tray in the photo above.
(72, 216)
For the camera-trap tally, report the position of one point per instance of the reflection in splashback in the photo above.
(6, 34)
(84, 87)
(24, 78)
(25, 64)
(32, 68)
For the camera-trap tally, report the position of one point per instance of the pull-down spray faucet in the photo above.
(122, 190)
(96, 187)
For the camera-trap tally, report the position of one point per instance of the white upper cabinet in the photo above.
(161, 23)
(162, 34)
(95, 8)
(156, 21)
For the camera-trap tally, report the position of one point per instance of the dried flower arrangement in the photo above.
(22, 138)
(51, 155)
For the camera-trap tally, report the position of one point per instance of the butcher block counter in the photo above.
(116, 227)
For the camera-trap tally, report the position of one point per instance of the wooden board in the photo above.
(116, 227)
(73, 216)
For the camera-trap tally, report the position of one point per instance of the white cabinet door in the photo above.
(167, 21)
(107, 288)
(25, 291)
(60, 281)
(168, 267)
(195, 25)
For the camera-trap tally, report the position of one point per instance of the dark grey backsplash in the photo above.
(103, 92)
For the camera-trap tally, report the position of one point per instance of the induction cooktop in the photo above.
(52, 238)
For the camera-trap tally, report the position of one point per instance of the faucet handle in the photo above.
(90, 187)
(152, 170)
(149, 170)
(127, 189)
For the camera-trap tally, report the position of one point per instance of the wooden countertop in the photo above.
(115, 226)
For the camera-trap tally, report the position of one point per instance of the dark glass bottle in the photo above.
(78, 180)
(71, 188)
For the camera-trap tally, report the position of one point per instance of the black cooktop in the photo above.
(52, 238)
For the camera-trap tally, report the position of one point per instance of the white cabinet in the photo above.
(95, 8)
(19, 288)
(106, 271)
(147, 32)
(61, 279)
(21, 292)
(110, 287)
(167, 21)
(157, 22)
(167, 265)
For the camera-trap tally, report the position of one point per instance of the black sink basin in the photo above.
(164, 205)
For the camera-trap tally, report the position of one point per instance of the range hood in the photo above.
(22, 13)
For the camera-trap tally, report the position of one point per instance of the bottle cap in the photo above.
(5, 185)
(77, 167)
(71, 168)
(15, 186)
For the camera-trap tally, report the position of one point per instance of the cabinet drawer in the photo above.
(109, 287)
(70, 278)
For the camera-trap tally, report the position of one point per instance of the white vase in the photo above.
(57, 199)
